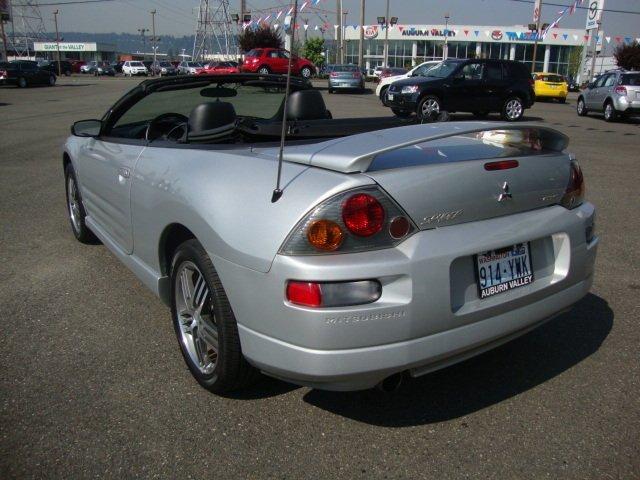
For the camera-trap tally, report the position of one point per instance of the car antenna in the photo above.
(277, 193)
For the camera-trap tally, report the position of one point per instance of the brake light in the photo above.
(620, 90)
(501, 165)
(363, 215)
(333, 74)
(574, 193)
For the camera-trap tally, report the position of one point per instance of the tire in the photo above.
(610, 113)
(581, 108)
(401, 113)
(306, 72)
(562, 99)
(203, 320)
(264, 71)
(513, 109)
(75, 208)
(331, 90)
(67, 73)
(52, 81)
(429, 108)
(22, 82)
(383, 95)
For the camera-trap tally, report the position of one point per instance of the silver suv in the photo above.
(615, 92)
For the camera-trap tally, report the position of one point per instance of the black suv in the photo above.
(25, 73)
(66, 68)
(476, 86)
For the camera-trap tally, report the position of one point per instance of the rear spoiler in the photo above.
(355, 153)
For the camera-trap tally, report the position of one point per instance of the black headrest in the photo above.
(212, 120)
(306, 105)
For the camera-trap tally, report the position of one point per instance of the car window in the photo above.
(29, 66)
(345, 68)
(443, 69)
(610, 80)
(493, 71)
(136, 64)
(283, 54)
(600, 81)
(630, 79)
(256, 52)
(471, 71)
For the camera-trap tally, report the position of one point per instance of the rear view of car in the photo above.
(615, 93)
(551, 86)
(345, 77)
(132, 68)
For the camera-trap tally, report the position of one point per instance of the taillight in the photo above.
(532, 82)
(333, 74)
(363, 215)
(332, 294)
(353, 221)
(574, 193)
(620, 90)
(501, 165)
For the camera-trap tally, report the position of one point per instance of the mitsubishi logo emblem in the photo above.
(506, 193)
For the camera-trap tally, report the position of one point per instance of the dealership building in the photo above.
(86, 51)
(410, 45)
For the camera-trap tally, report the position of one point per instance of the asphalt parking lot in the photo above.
(92, 383)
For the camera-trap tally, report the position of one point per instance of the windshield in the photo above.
(550, 78)
(136, 64)
(249, 101)
(194, 64)
(443, 70)
(165, 64)
(345, 68)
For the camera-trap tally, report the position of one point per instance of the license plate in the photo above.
(390, 96)
(503, 269)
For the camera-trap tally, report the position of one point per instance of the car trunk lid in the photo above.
(458, 173)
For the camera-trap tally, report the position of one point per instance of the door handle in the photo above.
(124, 172)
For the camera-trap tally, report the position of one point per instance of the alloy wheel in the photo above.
(580, 107)
(430, 107)
(198, 327)
(608, 111)
(74, 204)
(513, 109)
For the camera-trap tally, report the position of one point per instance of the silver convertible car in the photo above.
(394, 248)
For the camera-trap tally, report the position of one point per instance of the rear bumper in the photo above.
(625, 105)
(429, 315)
(346, 84)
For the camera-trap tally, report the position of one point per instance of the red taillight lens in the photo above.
(532, 82)
(574, 194)
(356, 74)
(620, 90)
(333, 74)
(501, 165)
(304, 293)
(363, 215)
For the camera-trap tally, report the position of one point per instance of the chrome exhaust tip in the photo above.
(391, 383)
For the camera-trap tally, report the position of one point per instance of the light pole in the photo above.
(339, 31)
(153, 40)
(55, 20)
(386, 38)
(344, 40)
(445, 50)
(361, 44)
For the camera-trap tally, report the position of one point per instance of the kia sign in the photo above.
(371, 31)
(496, 35)
(594, 13)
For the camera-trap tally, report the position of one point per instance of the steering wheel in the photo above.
(166, 126)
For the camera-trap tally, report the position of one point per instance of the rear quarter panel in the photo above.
(224, 198)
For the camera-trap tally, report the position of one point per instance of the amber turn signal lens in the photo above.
(325, 235)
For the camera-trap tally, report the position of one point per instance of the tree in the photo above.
(628, 56)
(313, 49)
(261, 37)
(575, 59)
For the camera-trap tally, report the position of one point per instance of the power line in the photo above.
(580, 8)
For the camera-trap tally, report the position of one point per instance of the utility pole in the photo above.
(537, 13)
(4, 39)
(339, 32)
(343, 27)
(55, 20)
(595, 50)
(306, 28)
(386, 38)
(153, 39)
(445, 50)
(361, 44)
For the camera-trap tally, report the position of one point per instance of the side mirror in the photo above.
(86, 128)
(590, 85)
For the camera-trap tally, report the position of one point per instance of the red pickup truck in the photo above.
(275, 60)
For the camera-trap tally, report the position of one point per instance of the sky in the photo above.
(178, 17)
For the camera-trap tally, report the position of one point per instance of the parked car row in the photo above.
(615, 93)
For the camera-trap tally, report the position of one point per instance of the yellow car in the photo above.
(551, 85)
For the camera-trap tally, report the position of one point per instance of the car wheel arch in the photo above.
(171, 238)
